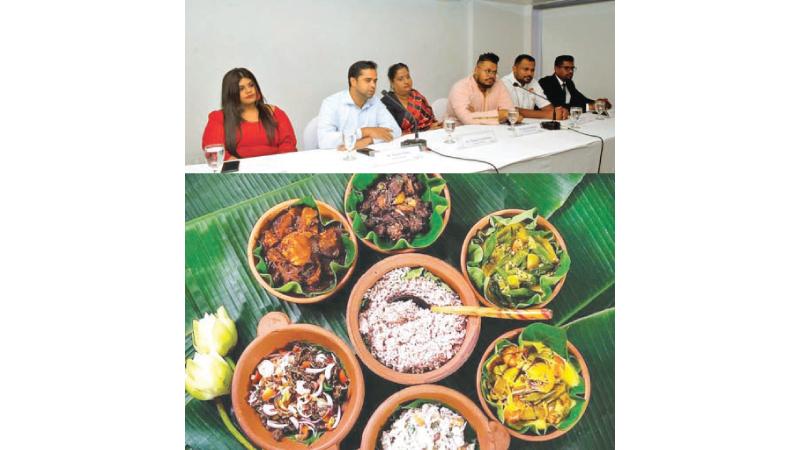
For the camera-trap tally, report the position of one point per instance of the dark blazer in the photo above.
(552, 89)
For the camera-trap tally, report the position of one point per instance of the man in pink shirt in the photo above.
(479, 99)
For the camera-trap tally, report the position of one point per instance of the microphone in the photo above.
(551, 125)
(408, 142)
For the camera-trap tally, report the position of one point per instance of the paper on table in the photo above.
(476, 139)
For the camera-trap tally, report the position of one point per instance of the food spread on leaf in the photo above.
(429, 426)
(298, 248)
(515, 263)
(394, 208)
(530, 386)
(298, 392)
(401, 331)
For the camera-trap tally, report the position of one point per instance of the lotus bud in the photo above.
(214, 333)
(208, 376)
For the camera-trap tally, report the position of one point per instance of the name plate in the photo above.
(394, 155)
(524, 130)
(477, 139)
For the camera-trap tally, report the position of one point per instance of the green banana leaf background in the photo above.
(222, 209)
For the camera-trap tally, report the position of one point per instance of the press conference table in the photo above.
(559, 151)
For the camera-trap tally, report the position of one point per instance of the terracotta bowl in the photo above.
(447, 274)
(532, 437)
(491, 434)
(484, 223)
(326, 211)
(371, 245)
(275, 331)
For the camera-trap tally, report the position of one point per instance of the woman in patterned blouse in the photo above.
(415, 103)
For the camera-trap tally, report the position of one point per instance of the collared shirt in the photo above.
(522, 97)
(466, 93)
(564, 88)
(339, 113)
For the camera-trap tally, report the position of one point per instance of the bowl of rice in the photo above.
(431, 416)
(392, 328)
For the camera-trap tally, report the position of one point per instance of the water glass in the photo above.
(513, 115)
(449, 126)
(215, 156)
(349, 139)
(575, 116)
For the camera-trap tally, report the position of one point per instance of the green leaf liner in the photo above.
(482, 245)
(469, 432)
(294, 287)
(556, 339)
(432, 193)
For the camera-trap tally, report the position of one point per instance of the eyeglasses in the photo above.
(489, 72)
(570, 68)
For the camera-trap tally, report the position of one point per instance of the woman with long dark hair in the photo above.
(414, 102)
(246, 125)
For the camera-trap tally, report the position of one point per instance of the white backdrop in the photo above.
(300, 49)
(587, 33)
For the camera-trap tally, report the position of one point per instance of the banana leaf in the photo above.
(221, 209)
(432, 193)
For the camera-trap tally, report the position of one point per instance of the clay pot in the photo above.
(448, 275)
(446, 219)
(541, 222)
(491, 434)
(326, 211)
(275, 331)
(511, 335)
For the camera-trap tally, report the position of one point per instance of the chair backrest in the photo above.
(310, 135)
(439, 108)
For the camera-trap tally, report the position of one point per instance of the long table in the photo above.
(559, 151)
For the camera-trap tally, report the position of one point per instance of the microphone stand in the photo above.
(422, 143)
(550, 125)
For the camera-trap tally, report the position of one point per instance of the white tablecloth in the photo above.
(545, 151)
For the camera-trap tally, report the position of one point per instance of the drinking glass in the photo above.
(449, 126)
(349, 139)
(215, 155)
(575, 116)
(600, 107)
(513, 115)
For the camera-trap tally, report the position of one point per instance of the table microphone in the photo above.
(409, 142)
(551, 125)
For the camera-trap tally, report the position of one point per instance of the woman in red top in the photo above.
(246, 125)
(415, 103)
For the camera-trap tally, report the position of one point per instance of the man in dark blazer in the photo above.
(560, 89)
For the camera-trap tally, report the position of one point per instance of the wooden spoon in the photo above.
(481, 311)
(497, 313)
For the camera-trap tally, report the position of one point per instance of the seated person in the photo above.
(356, 110)
(477, 99)
(526, 93)
(414, 103)
(246, 125)
(561, 90)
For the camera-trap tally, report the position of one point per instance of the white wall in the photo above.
(300, 49)
(502, 29)
(587, 33)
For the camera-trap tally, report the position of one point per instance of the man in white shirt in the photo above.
(356, 110)
(526, 93)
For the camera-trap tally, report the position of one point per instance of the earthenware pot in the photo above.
(491, 434)
(541, 222)
(275, 331)
(326, 211)
(445, 217)
(449, 276)
(584, 371)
